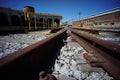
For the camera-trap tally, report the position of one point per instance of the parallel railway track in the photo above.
(28, 62)
(109, 54)
(24, 29)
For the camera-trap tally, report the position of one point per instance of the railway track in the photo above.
(28, 62)
(100, 53)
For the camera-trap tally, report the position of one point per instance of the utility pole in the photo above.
(79, 13)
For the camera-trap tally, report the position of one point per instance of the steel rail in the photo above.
(26, 63)
(108, 52)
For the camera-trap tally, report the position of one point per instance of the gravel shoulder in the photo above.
(14, 42)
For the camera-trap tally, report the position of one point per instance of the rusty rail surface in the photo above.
(26, 63)
(109, 53)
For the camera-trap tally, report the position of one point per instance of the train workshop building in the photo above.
(11, 19)
(106, 19)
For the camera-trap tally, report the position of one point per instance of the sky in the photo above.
(69, 9)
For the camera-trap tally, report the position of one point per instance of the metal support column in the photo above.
(29, 25)
(43, 23)
(35, 23)
(52, 23)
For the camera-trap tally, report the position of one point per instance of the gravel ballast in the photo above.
(71, 65)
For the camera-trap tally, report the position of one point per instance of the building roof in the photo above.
(104, 13)
(39, 14)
